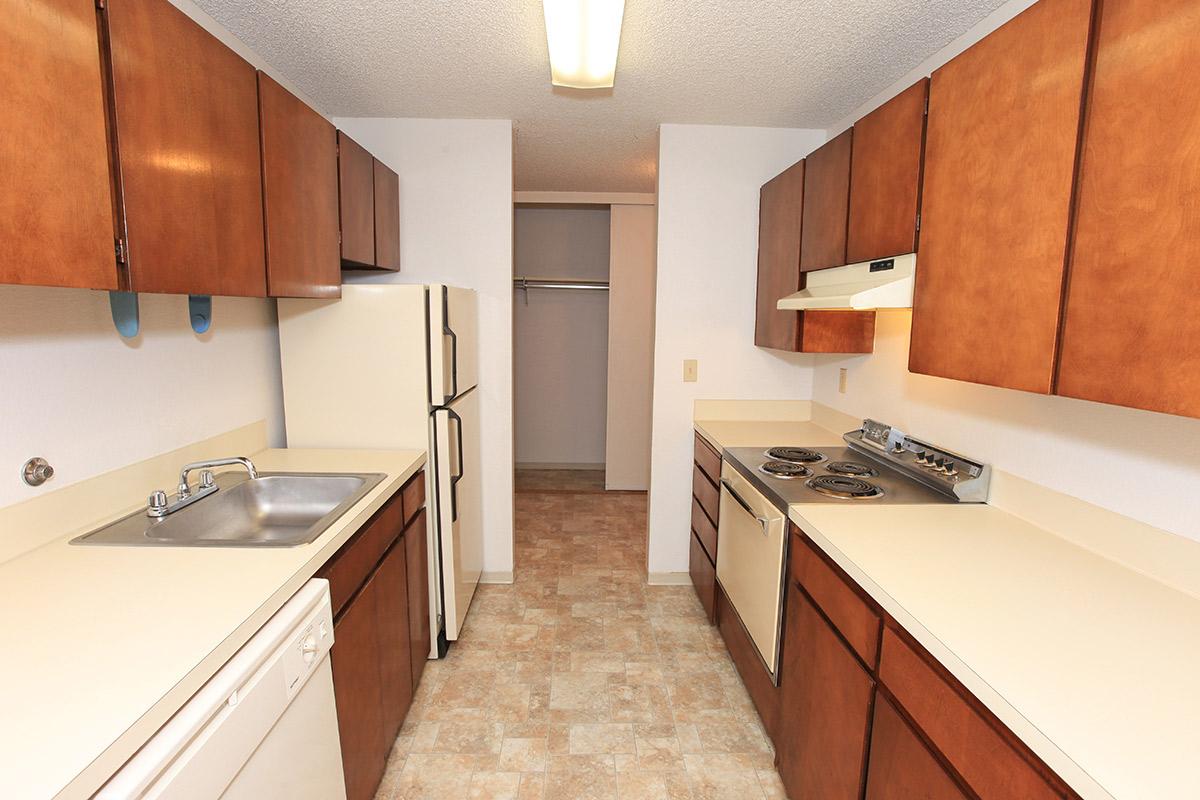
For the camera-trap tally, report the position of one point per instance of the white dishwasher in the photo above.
(264, 726)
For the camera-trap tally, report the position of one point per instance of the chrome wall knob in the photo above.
(36, 471)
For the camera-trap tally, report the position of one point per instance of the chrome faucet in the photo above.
(160, 505)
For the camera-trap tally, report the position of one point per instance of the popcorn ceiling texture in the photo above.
(774, 63)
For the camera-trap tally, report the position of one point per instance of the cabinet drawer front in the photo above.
(707, 459)
(984, 752)
(413, 496)
(353, 564)
(704, 577)
(856, 620)
(705, 531)
(706, 492)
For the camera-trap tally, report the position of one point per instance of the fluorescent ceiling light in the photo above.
(583, 36)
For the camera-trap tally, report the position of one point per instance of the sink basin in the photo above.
(274, 510)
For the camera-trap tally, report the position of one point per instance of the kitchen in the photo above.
(1035, 644)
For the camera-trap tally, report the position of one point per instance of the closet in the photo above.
(583, 305)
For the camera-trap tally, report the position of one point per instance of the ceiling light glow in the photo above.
(583, 36)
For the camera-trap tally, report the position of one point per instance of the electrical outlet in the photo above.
(690, 370)
(842, 380)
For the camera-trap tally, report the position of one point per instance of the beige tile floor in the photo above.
(560, 480)
(581, 682)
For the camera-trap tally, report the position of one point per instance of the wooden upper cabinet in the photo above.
(826, 204)
(780, 204)
(780, 212)
(191, 179)
(56, 210)
(1131, 334)
(300, 195)
(999, 172)
(387, 217)
(885, 178)
(356, 202)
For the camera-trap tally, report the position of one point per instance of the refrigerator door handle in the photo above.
(462, 468)
(448, 331)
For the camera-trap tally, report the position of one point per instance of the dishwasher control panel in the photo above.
(307, 648)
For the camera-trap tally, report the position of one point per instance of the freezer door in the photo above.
(459, 506)
(453, 338)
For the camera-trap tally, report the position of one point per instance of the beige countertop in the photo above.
(1089, 662)
(104, 644)
(765, 433)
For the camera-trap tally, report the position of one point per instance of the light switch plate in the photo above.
(690, 370)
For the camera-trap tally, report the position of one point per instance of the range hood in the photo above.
(887, 283)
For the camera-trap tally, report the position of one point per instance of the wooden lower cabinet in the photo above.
(902, 767)
(395, 643)
(704, 577)
(358, 690)
(824, 709)
(416, 549)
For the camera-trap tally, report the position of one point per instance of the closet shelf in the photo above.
(552, 283)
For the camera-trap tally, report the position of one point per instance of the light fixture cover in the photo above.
(583, 36)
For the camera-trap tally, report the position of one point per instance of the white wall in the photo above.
(708, 182)
(561, 337)
(456, 228)
(89, 401)
(1137, 463)
(633, 242)
(74, 392)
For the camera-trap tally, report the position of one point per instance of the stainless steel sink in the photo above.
(272, 510)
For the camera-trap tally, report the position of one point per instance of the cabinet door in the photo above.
(300, 195)
(824, 710)
(780, 202)
(387, 217)
(416, 549)
(358, 691)
(885, 177)
(1131, 334)
(901, 767)
(191, 178)
(826, 204)
(56, 208)
(356, 202)
(999, 169)
(704, 576)
(395, 643)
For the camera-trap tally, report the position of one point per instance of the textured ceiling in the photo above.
(787, 63)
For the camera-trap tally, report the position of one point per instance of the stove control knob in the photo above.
(921, 456)
(949, 469)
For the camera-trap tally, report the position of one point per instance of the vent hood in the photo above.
(887, 283)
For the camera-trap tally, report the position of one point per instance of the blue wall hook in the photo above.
(125, 316)
(200, 312)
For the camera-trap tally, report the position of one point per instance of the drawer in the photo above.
(704, 577)
(988, 756)
(706, 492)
(856, 618)
(704, 529)
(353, 564)
(708, 459)
(413, 496)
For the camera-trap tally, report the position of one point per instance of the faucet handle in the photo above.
(157, 500)
(206, 479)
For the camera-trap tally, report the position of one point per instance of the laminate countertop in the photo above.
(103, 644)
(765, 433)
(1088, 661)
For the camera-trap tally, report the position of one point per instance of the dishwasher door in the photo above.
(265, 726)
(751, 548)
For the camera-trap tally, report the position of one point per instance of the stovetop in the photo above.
(879, 466)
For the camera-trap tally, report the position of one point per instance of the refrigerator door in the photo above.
(459, 506)
(453, 339)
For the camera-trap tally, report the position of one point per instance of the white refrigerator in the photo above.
(394, 366)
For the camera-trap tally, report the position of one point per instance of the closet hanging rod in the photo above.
(550, 283)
